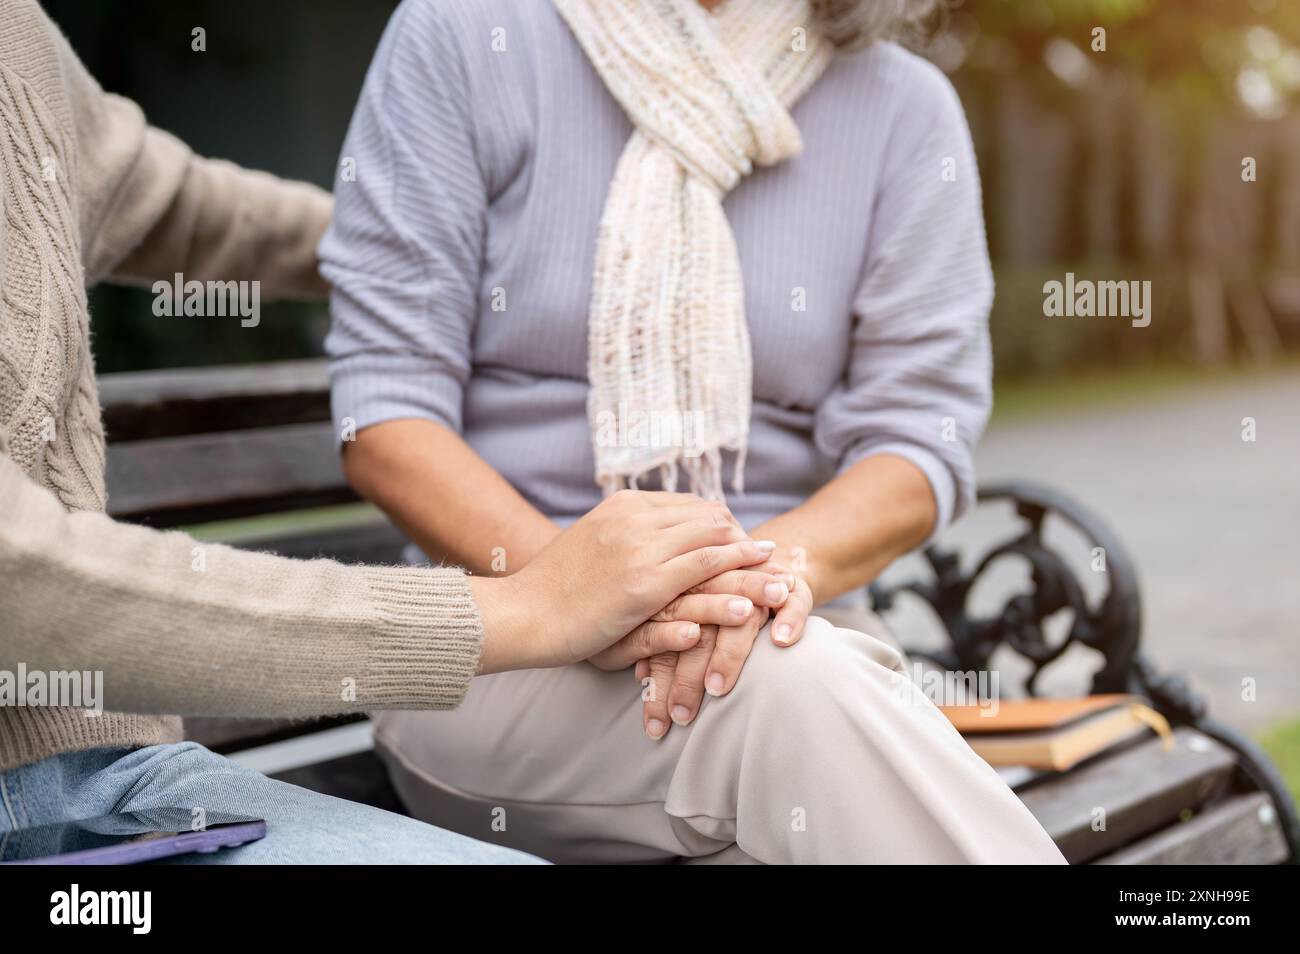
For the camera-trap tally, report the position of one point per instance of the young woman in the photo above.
(91, 191)
(577, 227)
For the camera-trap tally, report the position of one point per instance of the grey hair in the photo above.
(856, 23)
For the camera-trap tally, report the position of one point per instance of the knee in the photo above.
(824, 661)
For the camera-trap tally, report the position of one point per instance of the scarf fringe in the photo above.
(703, 475)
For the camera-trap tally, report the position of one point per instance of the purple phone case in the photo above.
(212, 839)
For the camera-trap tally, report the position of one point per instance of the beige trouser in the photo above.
(824, 752)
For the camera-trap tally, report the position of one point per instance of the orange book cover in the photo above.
(1027, 715)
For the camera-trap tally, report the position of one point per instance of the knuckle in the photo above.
(730, 657)
(639, 638)
(607, 532)
(672, 611)
(663, 663)
(687, 686)
(714, 584)
(640, 588)
(656, 636)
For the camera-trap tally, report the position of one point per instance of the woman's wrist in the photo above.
(514, 623)
(513, 635)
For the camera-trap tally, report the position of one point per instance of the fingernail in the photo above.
(776, 591)
(767, 546)
(740, 607)
(789, 581)
(783, 633)
(715, 683)
(681, 715)
(655, 729)
(689, 633)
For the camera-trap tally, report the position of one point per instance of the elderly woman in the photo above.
(567, 230)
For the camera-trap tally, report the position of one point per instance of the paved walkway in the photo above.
(1212, 521)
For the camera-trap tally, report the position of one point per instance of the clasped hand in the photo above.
(721, 619)
(667, 582)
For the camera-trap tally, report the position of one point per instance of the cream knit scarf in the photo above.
(669, 360)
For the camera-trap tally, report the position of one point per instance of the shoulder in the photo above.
(470, 24)
(910, 104)
(465, 46)
(33, 50)
(28, 33)
(910, 83)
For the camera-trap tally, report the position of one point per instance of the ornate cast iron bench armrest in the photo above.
(1110, 626)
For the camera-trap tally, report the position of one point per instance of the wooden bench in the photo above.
(196, 446)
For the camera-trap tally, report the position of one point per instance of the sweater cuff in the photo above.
(427, 644)
(372, 389)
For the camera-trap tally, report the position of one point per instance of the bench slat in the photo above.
(1141, 789)
(175, 480)
(1240, 831)
(372, 543)
(144, 404)
(225, 735)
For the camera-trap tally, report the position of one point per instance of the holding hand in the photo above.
(675, 682)
(727, 599)
(590, 589)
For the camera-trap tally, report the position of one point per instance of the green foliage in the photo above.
(1282, 743)
(1198, 47)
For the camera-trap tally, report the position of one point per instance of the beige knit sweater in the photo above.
(89, 192)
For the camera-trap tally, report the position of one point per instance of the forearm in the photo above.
(183, 627)
(445, 497)
(848, 532)
(218, 221)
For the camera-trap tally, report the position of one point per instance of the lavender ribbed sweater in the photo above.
(461, 256)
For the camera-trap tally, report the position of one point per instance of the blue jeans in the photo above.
(303, 827)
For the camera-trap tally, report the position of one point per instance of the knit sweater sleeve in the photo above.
(207, 219)
(178, 626)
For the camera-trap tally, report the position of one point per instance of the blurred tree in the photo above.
(1165, 97)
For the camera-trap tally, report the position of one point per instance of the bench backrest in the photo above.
(194, 445)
